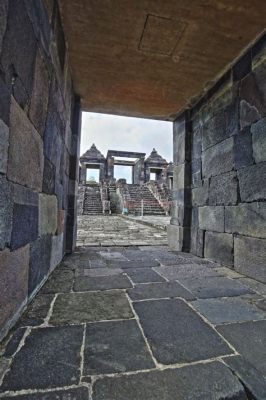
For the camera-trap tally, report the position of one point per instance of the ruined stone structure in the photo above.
(141, 167)
(201, 65)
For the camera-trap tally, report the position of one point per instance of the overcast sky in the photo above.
(110, 132)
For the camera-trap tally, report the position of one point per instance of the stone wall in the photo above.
(220, 170)
(39, 140)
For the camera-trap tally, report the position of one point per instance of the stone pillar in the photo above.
(110, 168)
(179, 229)
(83, 173)
(71, 227)
(102, 172)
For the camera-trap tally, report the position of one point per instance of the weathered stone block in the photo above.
(23, 195)
(246, 219)
(4, 143)
(47, 214)
(252, 182)
(14, 267)
(175, 237)
(219, 247)
(248, 114)
(25, 225)
(259, 140)
(196, 172)
(223, 189)
(56, 250)
(197, 242)
(211, 218)
(48, 185)
(40, 255)
(181, 140)
(3, 20)
(19, 51)
(214, 131)
(250, 257)
(25, 164)
(232, 117)
(40, 95)
(181, 176)
(60, 222)
(6, 207)
(4, 102)
(243, 149)
(200, 195)
(196, 142)
(219, 158)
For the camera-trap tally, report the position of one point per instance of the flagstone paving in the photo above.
(139, 323)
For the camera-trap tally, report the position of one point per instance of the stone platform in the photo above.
(117, 231)
(139, 323)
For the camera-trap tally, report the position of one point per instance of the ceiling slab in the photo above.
(148, 58)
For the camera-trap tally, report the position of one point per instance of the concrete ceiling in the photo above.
(148, 58)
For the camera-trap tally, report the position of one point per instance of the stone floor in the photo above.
(156, 221)
(116, 231)
(139, 323)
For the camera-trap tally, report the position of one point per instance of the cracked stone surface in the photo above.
(129, 322)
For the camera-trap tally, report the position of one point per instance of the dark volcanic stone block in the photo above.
(19, 51)
(6, 207)
(37, 310)
(85, 283)
(50, 358)
(5, 100)
(146, 263)
(211, 218)
(253, 380)
(40, 94)
(196, 172)
(3, 20)
(223, 189)
(79, 393)
(4, 144)
(249, 339)
(199, 382)
(196, 142)
(250, 257)
(214, 131)
(90, 307)
(252, 182)
(200, 195)
(234, 309)
(209, 287)
(25, 225)
(14, 268)
(14, 342)
(247, 219)
(40, 253)
(219, 247)
(219, 158)
(259, 140)
(174, 273)
(143, 275)
(25, 164)
(242, 67)
(60, 281)
(115, 347)
(243, 149)
(159, 290)
(176, 333)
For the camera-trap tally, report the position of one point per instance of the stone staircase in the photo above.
(92, 204)
(151, 205)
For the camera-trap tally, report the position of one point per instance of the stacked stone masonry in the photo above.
(220, 170)
(39, 140)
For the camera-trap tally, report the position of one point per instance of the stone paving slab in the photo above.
(14, 342)
(79, 393)
(75, 308)
(143, 275)
(234, 309)
(96, 272)
(249, 339)
(209, 287)
(177, 334)
(212, 381)
(50, 358)
(148, 263)
(159, 290)
(37, 310)
(59, 281)
(178, 272)
(249, 375)
(87, 283)
(115, 347)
